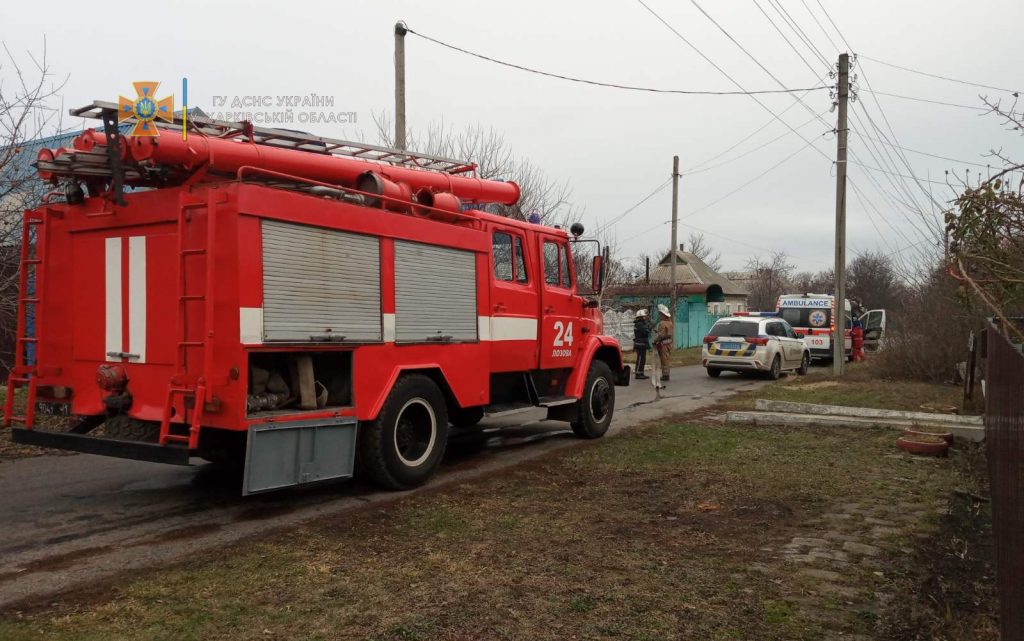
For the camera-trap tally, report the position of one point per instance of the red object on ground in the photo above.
(946, 436)
(907, 444)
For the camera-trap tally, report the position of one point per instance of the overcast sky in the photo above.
(613, 146)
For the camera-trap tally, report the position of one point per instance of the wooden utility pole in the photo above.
(400, 31)
(675, 235)
(839, 309)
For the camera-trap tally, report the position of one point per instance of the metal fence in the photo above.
(1004, 433)
(619, 324)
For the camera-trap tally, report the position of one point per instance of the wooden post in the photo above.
(400, 31)
(839, 313)
(675, 236)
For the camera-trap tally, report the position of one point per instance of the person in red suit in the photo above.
(857, 336)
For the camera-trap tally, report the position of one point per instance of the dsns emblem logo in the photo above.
(145, 109)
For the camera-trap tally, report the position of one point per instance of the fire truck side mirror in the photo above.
(597, 276)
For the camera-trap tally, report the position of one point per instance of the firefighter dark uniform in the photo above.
(641, 341)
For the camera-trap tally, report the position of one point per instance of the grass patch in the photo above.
(859, 387)
(644, 536)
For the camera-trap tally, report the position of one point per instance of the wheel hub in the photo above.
(415, 432)
(600, 400)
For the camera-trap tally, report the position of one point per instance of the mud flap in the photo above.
(279, 455)
(622, 376)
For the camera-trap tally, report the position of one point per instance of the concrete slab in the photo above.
(926, 418)
(967, 432)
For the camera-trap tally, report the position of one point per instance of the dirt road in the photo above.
(69, 521)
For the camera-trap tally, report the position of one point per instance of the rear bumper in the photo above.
(737, 364)
(171, 454)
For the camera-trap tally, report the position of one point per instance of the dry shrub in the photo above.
(927, 335)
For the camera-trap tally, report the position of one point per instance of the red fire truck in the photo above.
(295, 303)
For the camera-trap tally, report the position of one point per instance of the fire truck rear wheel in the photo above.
(594, 411)
(404, 446)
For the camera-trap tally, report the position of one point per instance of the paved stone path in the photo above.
(834, 571)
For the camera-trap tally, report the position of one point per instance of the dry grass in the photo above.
(650, 535)
(861, 386)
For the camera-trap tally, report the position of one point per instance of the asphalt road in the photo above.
(70, 521)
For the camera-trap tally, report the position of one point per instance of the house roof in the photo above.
(691, 270)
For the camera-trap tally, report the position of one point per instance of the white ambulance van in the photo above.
(812, 316)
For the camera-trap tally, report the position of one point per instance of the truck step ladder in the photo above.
(24, 371)
(179, 385)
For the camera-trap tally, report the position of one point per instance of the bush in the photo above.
(927, 335)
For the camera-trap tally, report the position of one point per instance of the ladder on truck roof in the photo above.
(286, 139)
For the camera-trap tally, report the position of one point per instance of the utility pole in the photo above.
(839, 309)
(675, 236)
(400, 32)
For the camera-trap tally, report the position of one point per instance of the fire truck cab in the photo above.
(294, 303)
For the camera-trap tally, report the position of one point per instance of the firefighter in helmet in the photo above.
(641, 341)
(663, 339)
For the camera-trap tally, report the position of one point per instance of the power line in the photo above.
(880, 110)
(918, 151)
(820, 26)
(747, 153)
(649, 229)
(935, 75)
(855, 156)
(694, 169)
(916, 99)
(731, 79)
(612, 85)
(799, 31)
(615, 220)
(885, 171)
(808, 143)
(784, 37)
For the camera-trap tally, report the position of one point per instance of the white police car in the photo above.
(754, 343)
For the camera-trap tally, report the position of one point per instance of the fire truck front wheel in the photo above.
(403, 447)
(594, 410)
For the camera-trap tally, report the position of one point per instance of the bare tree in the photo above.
(872, 282)
(771, 278)
(698, 245)
(493, 155)
(29, 109)
(986, 234)
(813, 283)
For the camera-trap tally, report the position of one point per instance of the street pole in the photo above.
(839, 309)
(675, 236)
(400, 31)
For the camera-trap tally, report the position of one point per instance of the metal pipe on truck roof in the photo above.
(228, 156)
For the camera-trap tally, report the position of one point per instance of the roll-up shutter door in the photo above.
(319, 284)
(435, 293)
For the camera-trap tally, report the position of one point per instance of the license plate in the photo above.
(730, 345)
